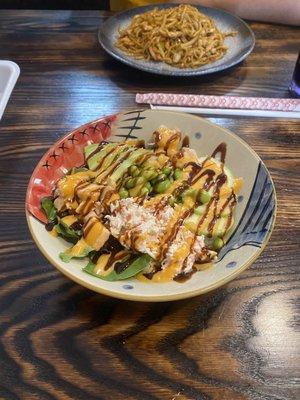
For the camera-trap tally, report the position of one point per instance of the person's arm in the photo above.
(279, 11)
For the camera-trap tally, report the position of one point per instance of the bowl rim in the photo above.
(165, 297)
(131, 62)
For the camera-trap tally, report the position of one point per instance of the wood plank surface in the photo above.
(61, 341)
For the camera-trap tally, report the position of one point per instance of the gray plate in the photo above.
(239, 46)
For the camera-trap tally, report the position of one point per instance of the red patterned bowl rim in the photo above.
(64, 154)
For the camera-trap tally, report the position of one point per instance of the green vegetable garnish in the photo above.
(48, 208)
(67, 233)
(134, 268)
(67, 255)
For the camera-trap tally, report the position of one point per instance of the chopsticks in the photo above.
(219, 111)
(223, 105)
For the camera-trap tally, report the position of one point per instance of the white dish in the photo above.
(9, 73)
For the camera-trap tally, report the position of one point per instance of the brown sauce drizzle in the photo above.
(114, 159)
(133, 238)
(104, 158)
(112, 245)
(156, 267)
(204, 257)
(169, 238)
(177, 156)
(143, 158)
(171, 139)
(231, 205)
(222, 148)
(195, 169)
(186, 142)
(221, 179)
(89, 203)
(120, 266)
(157, 138)
(180, 189)
(196, 231)
(79, 186)
(77, 226)
(160, 205)
(149, 275)
(89, 226)
(117, 164)
(184, 276)
(107, 196)
(210, 175)
(50, 225)
(114, 257)
(98, 148)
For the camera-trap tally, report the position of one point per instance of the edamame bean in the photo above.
(148, 186)
(199, 210)
(123, 193)
(144, 191)
(160, 178)
(130, 183)
(162, 186)
(191, 226)
(166, 170)
(177, 174)
(218, 243)
(171, 201)
(204, 196)
(139, 181)
(134, 171)
(149, 174)
(191, 193)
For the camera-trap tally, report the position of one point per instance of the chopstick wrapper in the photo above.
(229, 102)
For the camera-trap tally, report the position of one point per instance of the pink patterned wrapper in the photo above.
(234, 102)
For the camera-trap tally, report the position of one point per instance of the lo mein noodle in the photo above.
(180, 36)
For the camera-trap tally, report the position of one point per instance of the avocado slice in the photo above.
(220, 227)
(96, 158)
(120, 171)
(89, 149)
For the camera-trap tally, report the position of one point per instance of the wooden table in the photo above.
(61, 341)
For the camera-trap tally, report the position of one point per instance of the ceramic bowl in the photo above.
(239, 46)
(254, 214)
